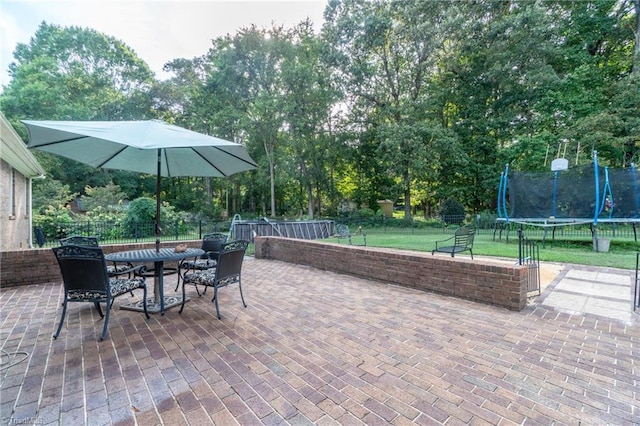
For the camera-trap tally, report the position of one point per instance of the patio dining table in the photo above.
(159, 302)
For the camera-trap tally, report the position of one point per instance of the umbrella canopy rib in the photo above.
(63, 141)
(115, 154)
(209, 162)
(251, 163)
(166, 164)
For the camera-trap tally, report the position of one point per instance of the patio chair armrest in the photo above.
(116, 269)
(193, 264)
(213, 255)
(443, 241)
(137, 271)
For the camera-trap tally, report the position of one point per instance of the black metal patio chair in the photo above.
(211, 244)
(461, 241)
(85, 278)
(114, 269)
(228, 271)
(342, 232)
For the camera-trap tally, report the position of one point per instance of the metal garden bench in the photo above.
(462, 241)
(343, 232)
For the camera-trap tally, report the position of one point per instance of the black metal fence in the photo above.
(529, 256)
(109, 232)
(118, 232)
(486, 225)
(115, 232)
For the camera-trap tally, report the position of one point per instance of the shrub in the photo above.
(141, 210)
(55, 222)
(366, 213)
(486, 220)
(452, 212)
(139, 219)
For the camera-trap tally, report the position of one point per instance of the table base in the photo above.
(151, 272)
(152, 306)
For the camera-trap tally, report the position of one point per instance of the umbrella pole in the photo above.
(158, 182)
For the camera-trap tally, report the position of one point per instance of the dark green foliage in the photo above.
(55, 222)
(486, 220)
(50, 194)
(452, 212)
(140, 210)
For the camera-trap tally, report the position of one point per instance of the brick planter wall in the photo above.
(495, 283)
(39, 266)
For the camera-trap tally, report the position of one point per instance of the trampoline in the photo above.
(587, 194)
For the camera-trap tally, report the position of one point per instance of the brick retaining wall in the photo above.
(478, 280)
(39, 266)
(495, 283)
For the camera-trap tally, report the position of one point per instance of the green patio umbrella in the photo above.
(151, 147)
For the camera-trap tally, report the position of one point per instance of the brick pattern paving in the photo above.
(315, 347)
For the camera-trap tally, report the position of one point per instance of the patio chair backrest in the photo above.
(40, 238)
(464, 236)
(83, 269)
(342, 231)
(78, 240)
(229, 265)
(212, 244)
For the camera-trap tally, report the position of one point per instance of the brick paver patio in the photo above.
(314, 347)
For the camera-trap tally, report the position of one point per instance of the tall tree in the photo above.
(180, 100)
(308, 98)
(385, 53)
(250, 63)
(636, 46)
(496, 67)
(75, 73)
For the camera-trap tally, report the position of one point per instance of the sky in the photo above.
(158, 31)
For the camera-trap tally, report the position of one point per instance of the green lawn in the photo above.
(622, 253)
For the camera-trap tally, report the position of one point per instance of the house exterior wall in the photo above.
(18, 167)
(15, 211)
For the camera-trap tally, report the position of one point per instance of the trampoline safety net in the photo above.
(572, 194)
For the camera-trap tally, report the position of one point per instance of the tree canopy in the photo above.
(409, 100)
